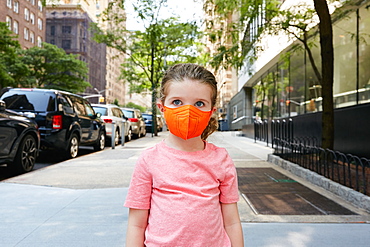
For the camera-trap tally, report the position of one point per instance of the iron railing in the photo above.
(346, 169)
(261, 131)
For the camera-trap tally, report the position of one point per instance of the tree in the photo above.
(11, 66)
(296, 22)
(133, 105)
(50, 67)
(327, 60)
(150, 52)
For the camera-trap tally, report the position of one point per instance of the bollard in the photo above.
(113, 135)
(123, 134)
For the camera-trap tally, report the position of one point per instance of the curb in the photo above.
(354, 197)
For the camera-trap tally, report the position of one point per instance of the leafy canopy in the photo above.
(151, 51)
(51, 67)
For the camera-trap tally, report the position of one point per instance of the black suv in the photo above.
(65, 120)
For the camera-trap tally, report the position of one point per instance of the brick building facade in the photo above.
(26, 18)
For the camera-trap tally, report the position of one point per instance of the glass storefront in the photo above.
(364, 56)
(292, 87)
(344, 40)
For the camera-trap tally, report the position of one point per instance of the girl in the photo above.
(184, 190)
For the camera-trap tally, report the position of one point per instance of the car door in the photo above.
(95, 124)
(8, 134)
(119, 119)
(82, 118)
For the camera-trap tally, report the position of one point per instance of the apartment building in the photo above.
(69, 20)
(226, 77)
(26, 18)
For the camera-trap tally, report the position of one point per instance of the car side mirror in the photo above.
(2, 105)
(98, 115)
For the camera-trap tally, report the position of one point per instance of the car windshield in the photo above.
(101, 110)
(29, 101)
(147, 116)
(129, 114)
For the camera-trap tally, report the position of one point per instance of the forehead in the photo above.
(189, 88)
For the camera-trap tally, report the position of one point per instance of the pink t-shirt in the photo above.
(183, 191)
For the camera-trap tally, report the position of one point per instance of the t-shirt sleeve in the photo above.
(229, 185)
(139, 192)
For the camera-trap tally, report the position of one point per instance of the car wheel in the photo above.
(100, 143)
(144, 132)
(26, 155)
(129, 135)
(73, 146)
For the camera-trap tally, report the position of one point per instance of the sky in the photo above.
(185, 9)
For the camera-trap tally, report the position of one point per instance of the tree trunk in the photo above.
(154, 89)
(327, 58)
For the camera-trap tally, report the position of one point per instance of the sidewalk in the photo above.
(79, 203)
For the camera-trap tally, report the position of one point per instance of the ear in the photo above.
(160, 105)
(214, 109)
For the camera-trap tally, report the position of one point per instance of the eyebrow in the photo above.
(181, 98)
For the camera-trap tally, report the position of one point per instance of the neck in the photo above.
(190, 145)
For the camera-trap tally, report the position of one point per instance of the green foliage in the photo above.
(48, 66)
(133, 105)
(233, 42)
(150, 52)
(11, 67)
(115, 102)
(51, 67)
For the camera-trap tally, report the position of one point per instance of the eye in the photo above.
(199, 104)
(176, 102)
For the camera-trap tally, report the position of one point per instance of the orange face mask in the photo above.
(186, 121)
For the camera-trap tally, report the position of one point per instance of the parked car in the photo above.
(148, 119)
(65, 120)
(112, 113)
(137, 121)
(19, 140)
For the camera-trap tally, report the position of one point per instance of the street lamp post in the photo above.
(100, 93)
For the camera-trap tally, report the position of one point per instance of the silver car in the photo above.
(112, 113)
(136, 120)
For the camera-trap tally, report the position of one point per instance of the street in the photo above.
(78, 202)
(44, 160)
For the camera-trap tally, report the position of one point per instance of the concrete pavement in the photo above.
(79, 203)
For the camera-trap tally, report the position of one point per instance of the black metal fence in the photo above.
(346, 169)
(261, 131)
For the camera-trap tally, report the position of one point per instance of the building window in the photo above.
(26, 14)
(9, 3)
(52, 30)
(32, 37)
(39, 23)
(33, 2)
(66, 29)
(66, 44)
(32, 18)
(16, 7)
(39, 41)
(9, 22)
(235, 112)
(26, 33)
(15, 27)
(39, 5)
(52, 41)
